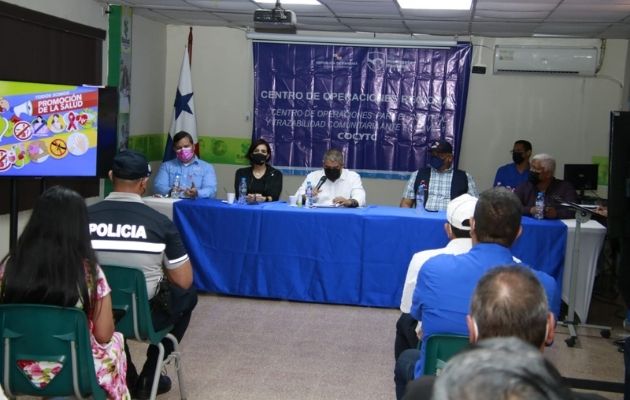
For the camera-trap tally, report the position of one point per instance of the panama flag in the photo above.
(184, 108)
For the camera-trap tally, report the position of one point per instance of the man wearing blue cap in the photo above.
(441, 181)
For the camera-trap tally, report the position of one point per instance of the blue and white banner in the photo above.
(381, 106)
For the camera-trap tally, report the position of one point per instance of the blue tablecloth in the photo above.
(328, 255)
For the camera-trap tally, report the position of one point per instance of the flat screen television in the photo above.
(49, 130)
(581, 176)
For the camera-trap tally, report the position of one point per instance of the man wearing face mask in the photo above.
(442, 183)
(196, 177)
(541, 179)
(513, 174)
(334, 185)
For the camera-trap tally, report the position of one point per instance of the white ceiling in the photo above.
(492, 18)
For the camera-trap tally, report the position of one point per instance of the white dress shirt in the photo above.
(348, 185)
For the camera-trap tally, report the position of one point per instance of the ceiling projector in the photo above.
(276, 20)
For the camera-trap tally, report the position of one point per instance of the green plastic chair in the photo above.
(439, 349)
(129, 295)
(47, 333)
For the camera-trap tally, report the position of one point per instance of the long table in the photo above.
(328, 255)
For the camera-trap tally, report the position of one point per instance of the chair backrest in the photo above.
(439, 349)
(129, 295)
(57, 335)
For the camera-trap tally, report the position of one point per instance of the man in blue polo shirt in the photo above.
(446, 282)
(513, 174)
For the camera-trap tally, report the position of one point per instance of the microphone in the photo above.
(321, 182)
(569, 204)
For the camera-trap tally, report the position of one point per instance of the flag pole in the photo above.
(184, 108)
(190, 40)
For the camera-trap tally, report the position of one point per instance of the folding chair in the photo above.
(439, 349)
(129, 294)
(58, 335)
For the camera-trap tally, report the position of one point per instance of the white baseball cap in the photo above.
(460, 210)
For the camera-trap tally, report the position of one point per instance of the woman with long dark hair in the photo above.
(54, 263)
(264, 182)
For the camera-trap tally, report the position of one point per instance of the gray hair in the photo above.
(333, 155)
(500, 368)
(546, 161)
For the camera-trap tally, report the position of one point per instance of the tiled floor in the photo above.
(240, 348)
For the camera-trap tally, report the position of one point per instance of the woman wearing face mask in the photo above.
(186, 175)
(264, 182)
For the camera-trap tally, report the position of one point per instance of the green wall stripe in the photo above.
(215, 150)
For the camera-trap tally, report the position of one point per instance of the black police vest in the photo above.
(459, 183)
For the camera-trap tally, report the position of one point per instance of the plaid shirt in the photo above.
(439, 188)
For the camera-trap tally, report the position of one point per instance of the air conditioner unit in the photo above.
(277, 20)
(545, 60)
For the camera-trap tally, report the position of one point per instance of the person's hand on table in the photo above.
(602, 210)
(256, 198)
(315, 192)
(343, 202)
(191, 192)
(551, 212)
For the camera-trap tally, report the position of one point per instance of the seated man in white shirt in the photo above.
(334, 185)
(458, 214)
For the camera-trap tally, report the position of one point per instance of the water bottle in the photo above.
(175, 188)
(540, 206)
(242, 191)
(309, 195)
(420, 197)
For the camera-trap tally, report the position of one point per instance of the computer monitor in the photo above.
(581, 176)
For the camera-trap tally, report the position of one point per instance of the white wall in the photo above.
(564, 116)
(148, 70)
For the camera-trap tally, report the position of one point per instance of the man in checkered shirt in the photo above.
(441, 182)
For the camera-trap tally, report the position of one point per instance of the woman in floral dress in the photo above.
(54, 263)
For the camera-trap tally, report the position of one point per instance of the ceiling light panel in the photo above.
(435, 4)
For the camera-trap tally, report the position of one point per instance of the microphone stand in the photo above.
(581, 215)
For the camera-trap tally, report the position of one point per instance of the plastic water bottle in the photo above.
(540, 206)
(309, 195)
(242, 191)
(420, 198)
(175, 188)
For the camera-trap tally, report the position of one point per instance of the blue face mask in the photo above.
(436, 162)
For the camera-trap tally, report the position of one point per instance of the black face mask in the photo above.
(517, 157)
(534, 177)
(258, 158)
(332, 173)
(436, 162)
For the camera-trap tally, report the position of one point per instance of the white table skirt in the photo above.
(592, 235)
(162, 204)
